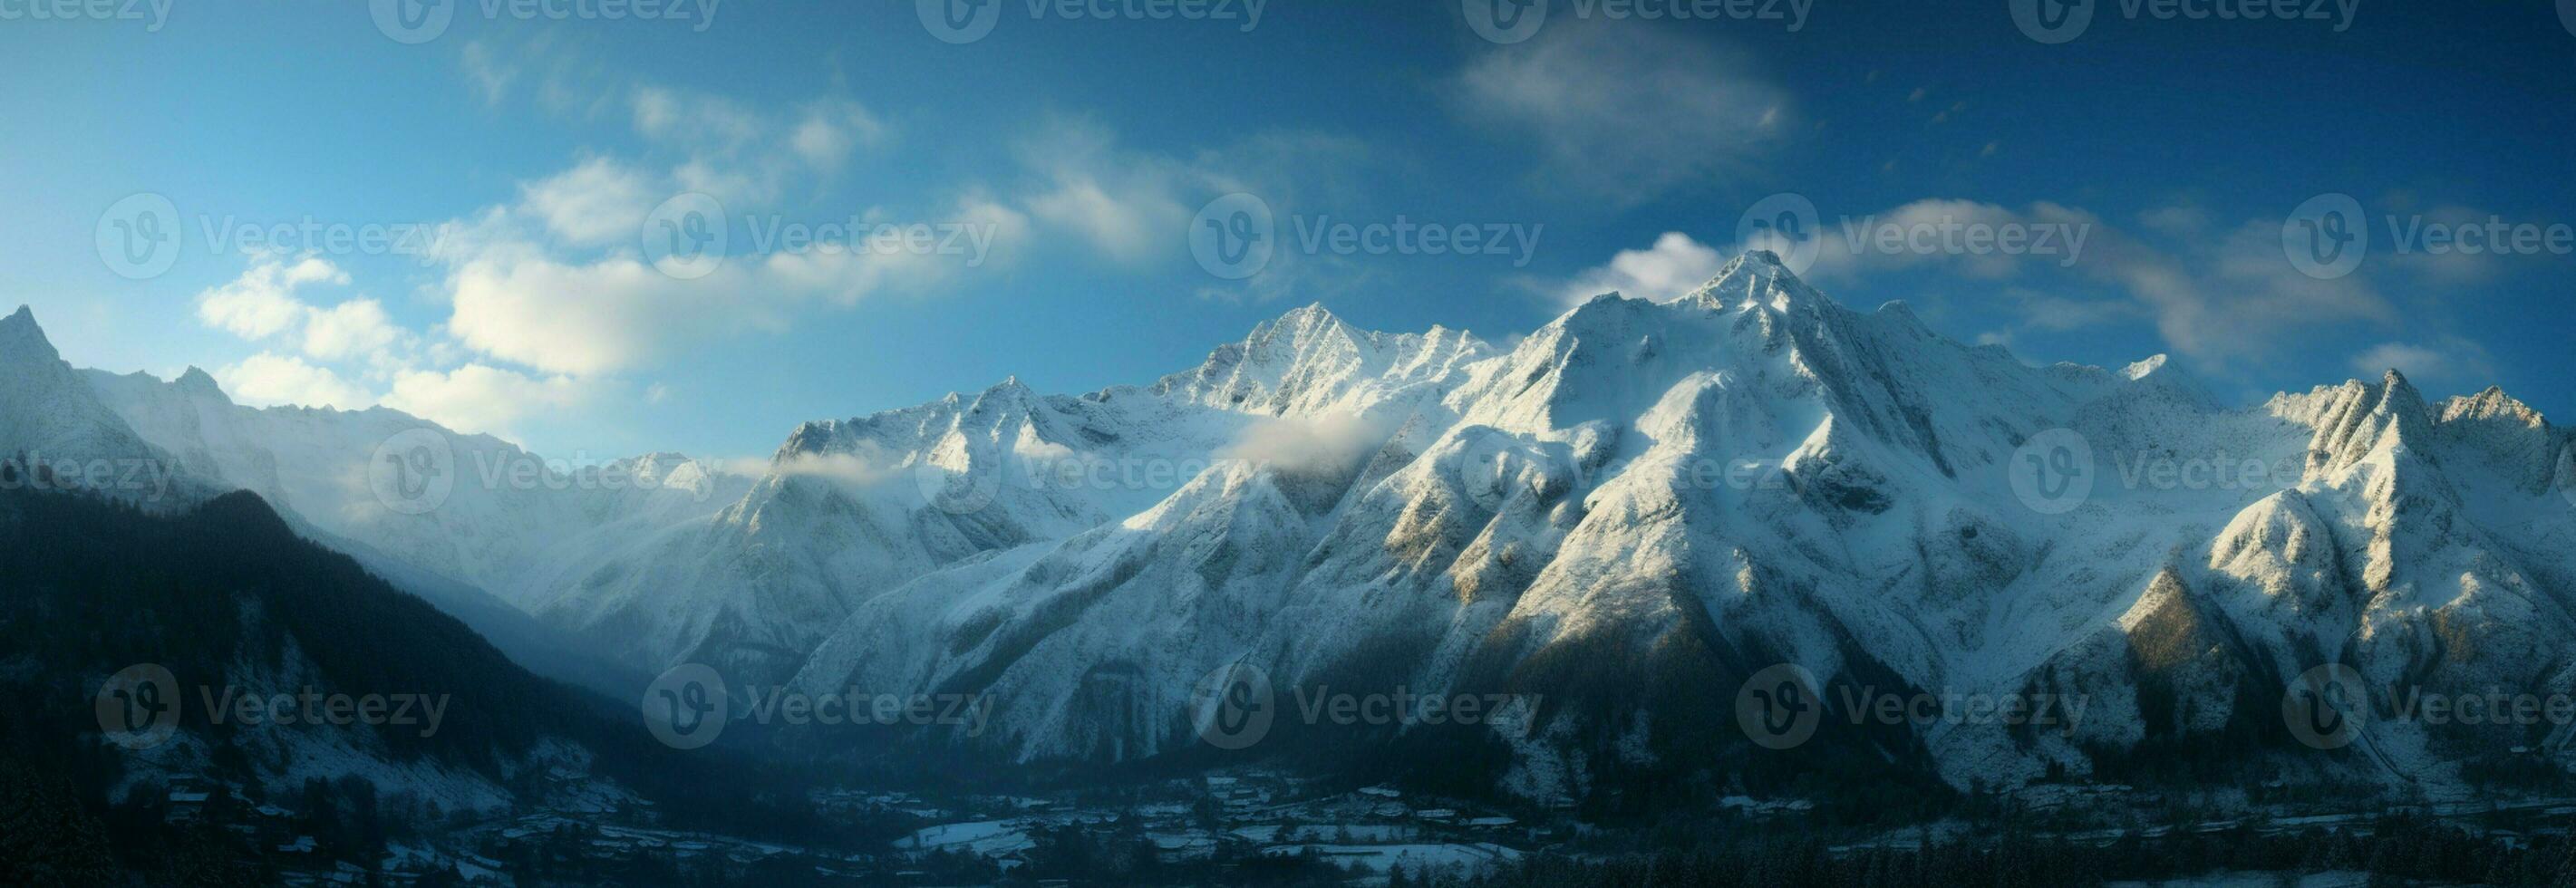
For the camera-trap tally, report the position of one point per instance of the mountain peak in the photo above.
(22, 341)
(1762, 257)
(198, 383)
(2400, 397)
(1757, 278)
(1309, 312)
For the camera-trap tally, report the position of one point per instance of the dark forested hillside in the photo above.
(226, 595)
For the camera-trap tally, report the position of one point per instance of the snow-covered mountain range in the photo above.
(1626, 514)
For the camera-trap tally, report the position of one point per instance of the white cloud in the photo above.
(831, 128)
(597, 202)
(742, 154)
(1134, 207)
(1675, 265)
(2452, 267)
(1626, 113)
(694, 118)
(261, 303)
(2447, 362)
(556, 281)
(846, 468)
(583, 317)
(353, 328)
(483, 398)
(517, 300)
(491, 75)
(1132, 226)
(2217, 295)
(1855, 244)
(268, 379)
(2232, 299)
(1128, 206)
(1327, 442)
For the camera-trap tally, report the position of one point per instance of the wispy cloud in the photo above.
(1675, 265)
(1626, 114)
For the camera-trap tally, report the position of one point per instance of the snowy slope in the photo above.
(498, 528)
(1651, 501)
(503, 515)
(50, 420)
(1627, 514)
(853, 509)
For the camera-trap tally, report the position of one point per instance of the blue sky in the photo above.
(470, 212)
